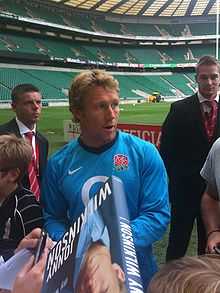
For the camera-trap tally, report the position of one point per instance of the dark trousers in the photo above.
(185, 198)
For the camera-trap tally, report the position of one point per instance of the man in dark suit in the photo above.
(189, 130)
(26, 103)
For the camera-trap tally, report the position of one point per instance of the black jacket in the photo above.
(184, 142)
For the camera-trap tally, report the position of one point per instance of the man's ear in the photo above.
(77, 114)
(13, 106)
(119, 272)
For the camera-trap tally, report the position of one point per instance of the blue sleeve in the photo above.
(154, 212)
(54, 204)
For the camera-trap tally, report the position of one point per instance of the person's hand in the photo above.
(97, 274)
(30, 278)
(213, 241)
(31, 240)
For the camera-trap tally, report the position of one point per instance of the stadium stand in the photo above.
(47, 43)
(55, 83)
(11, 77)
(96, 23)
(55, 47)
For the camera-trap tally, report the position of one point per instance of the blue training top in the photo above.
(74, 174)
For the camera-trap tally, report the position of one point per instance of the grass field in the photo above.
(51, 122)
(51, 125)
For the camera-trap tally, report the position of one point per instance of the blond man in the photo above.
(76, 172)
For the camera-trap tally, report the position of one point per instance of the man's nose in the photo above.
(111, 111)
(209, 80)
(36, 105)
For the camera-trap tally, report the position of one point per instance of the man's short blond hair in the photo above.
(15, 153)
(197, 274)
(87, 80)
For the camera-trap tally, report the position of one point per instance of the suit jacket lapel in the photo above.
(217, 126)
(197, 117)
(41, 151)
(14, 127)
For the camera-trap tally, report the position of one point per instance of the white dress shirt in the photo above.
(202, 99)
(24, 129)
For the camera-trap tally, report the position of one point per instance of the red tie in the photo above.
(210, 118)
(33, 170)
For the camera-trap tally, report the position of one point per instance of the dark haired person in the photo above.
(190, 128)
(26, 103)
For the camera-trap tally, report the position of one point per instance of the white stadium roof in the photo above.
(164, 8)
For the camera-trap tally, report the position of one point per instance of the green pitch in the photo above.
(51, 122)
(51, 125)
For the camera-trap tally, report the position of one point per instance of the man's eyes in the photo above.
(105, 106)
(31, 102)
(213, 77)
(115, 105)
